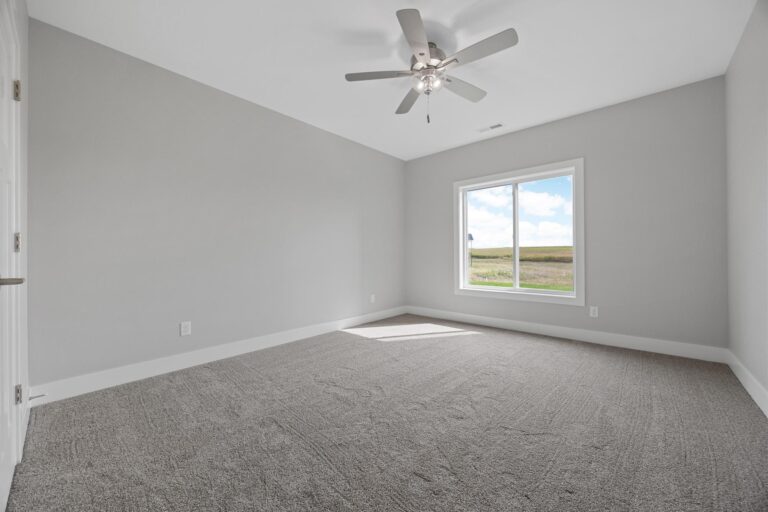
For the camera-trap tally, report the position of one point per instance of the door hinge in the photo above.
(17, 90)
(17, 242)
(18, 394)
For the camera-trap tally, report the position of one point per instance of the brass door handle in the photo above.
(5, 281)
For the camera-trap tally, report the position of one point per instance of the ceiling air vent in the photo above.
(492, 127)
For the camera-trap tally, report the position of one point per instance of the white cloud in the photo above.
(545, 233)
(496, 230)
(568, 208)
(495, 197)
(540, 204)
(489, 229)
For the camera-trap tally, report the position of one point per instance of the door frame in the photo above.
(19, 23)
(15, 17)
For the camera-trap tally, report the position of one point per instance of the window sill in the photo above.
(523, 295)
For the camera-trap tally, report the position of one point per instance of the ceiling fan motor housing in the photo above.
(429, 77)
(436, 56)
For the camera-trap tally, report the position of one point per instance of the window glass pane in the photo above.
(490, 237)
(546, 233)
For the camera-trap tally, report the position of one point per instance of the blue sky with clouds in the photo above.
(546, 214)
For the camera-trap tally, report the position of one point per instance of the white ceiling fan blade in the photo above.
(376, 75)
(484, 48)
(413, 28)
(408, 101)
(464, 89)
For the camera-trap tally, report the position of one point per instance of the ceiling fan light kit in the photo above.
(429, 64)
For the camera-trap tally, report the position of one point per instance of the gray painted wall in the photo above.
(655, 217)
(747, 100)
(155, 199)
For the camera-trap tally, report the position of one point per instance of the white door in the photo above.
(12, 415)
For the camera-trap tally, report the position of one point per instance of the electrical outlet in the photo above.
(372, 298)
(185, 328)
(593, 312)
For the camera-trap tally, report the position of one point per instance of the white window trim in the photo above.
(575, 298)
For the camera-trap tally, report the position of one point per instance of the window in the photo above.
(520, 234)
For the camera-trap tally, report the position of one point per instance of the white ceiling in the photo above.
(291, 56)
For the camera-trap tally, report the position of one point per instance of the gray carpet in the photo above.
(407, 419)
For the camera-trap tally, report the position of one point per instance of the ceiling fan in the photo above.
(429, 63)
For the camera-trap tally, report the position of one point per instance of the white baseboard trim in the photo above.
(672, 348)
(756, 390)
(81, 384)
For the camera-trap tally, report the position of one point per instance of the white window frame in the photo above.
(573, 168)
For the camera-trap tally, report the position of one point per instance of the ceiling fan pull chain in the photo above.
(428, 121)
